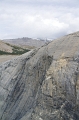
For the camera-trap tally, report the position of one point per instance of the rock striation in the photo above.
(42, 84)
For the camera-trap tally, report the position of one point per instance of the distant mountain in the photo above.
(9, 49)
(27, 42)
(5, 47)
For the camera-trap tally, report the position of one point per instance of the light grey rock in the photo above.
(42, 84)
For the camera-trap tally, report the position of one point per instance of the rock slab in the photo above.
(42, 84)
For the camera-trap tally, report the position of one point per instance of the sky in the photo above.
(45, 19)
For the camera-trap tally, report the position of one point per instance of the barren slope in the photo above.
(9, 51)
(42, 84)
(5, 47)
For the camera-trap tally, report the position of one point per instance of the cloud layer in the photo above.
(38, 18)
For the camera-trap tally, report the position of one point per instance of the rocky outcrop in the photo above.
(42, 84)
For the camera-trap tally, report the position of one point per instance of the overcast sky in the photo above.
(47, 19)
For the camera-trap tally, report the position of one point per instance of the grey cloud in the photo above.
(45, 2)
(38, 18)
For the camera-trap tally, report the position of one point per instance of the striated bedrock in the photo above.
(42, 84)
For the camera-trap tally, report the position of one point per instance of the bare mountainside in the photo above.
(42, 84)
(9, 51)
(6, 48)
(28, 42)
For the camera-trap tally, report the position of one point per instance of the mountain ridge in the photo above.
(27, 41)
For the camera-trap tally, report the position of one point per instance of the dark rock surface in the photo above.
(42, 84)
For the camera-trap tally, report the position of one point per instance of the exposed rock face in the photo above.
(42, 84)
